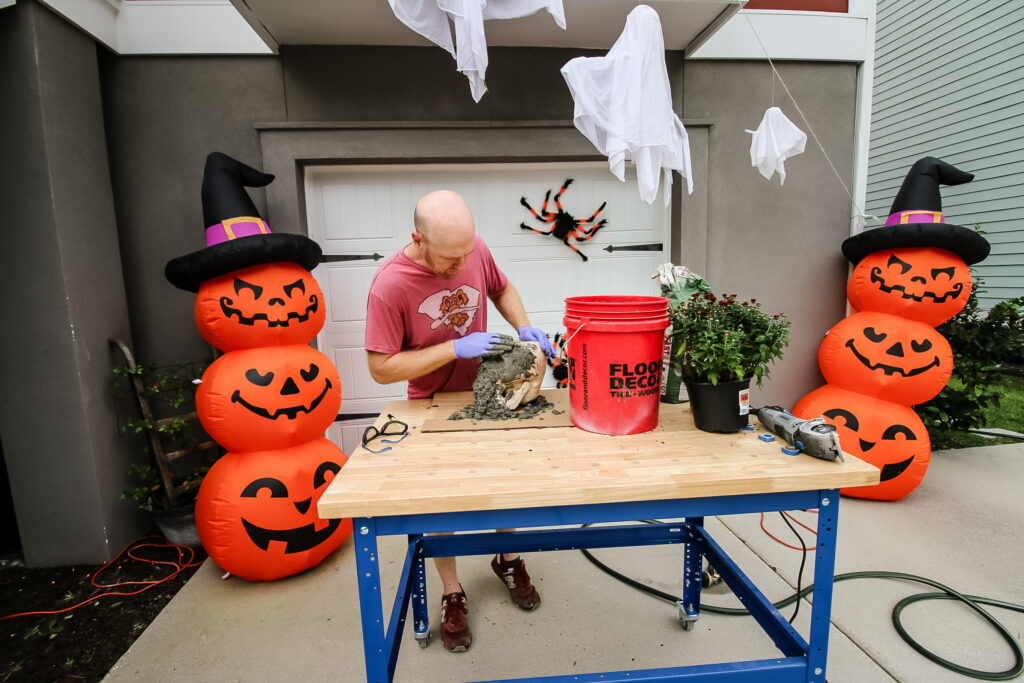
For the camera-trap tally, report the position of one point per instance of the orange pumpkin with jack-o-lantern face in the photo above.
(925, 284)
(275, 304)
(270, 397)
(883, 355)
(888, 435)
(256, 512)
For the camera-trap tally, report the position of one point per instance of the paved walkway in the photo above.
(964, 527)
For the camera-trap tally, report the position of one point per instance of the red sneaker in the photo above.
(454, 622)
(522, 592)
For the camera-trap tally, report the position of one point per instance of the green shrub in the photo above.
(1005, 324)
(981, 342)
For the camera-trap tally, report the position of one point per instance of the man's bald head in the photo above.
(444, 216)
(445, 233)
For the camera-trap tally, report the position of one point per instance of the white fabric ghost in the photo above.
(624, 106)
(430, 18)
(774, 141)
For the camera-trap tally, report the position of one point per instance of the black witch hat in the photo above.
(236, 236)
(916, 220)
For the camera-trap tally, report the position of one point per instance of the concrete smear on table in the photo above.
(487, 389)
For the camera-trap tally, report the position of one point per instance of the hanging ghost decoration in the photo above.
(775, 140)
(430, 18)
(269, 398)
(623, 105)
(909, 276)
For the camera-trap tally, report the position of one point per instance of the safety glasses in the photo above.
(392, 428)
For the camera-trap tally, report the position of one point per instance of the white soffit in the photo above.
(163, 26)
(812, 36)
(704, 29)
(589, 23)
(262, 26)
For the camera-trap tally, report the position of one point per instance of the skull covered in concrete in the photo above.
(516, 375)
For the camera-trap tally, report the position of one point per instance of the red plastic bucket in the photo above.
(607, 307)
(615, 363)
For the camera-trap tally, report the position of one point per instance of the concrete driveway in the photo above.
(963, 527)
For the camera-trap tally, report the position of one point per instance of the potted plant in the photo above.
(179, 452)
(723, 344)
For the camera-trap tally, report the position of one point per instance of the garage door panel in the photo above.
(348, 335)
(356, 382)
(346, 289)
(540, 281)
(344, 346)
(353, 212)
(546, 283)
(347, 435)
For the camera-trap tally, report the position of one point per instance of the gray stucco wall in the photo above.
(63, 296)
(163, 116)
(780, 245)
(371, 83)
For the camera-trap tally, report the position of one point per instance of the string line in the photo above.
(860, 213)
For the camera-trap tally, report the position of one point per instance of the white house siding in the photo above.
(947, 84)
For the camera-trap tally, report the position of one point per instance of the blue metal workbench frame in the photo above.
(801, 661)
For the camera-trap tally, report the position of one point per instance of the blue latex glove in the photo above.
(527, 333)
(482, 344)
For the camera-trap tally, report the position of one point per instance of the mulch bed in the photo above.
(81, 642)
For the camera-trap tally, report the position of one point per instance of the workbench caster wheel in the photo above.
(685, 620)
(423, 640)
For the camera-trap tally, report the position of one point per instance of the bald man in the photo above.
(426, 323)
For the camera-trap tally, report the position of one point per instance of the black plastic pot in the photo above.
(178, 525)
(719, 407)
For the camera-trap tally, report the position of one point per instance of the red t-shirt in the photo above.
(409, 308)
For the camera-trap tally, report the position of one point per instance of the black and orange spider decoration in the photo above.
(564, 225)
(559, 363)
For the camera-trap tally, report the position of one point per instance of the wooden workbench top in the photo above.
(431, 472)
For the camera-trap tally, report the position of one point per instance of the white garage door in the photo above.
(360, 211)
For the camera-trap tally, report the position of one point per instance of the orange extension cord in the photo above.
(131, 552)
(778, 540)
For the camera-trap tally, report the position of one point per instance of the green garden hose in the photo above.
(947, 593)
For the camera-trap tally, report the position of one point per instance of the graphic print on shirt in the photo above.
(455, 310)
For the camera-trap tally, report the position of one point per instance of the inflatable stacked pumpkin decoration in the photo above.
(909, 276)
(270, 397)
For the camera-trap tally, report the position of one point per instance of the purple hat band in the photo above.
(915, 216)
(233, 228)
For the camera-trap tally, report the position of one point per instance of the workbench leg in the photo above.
(420, 613)
(370, 609)
(693, 565)
(824, 574)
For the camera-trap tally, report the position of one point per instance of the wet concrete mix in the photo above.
(493, 372)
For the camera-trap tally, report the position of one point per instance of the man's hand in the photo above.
(482, 344)
(527, 333)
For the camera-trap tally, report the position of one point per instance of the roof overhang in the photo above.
(592, 24)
